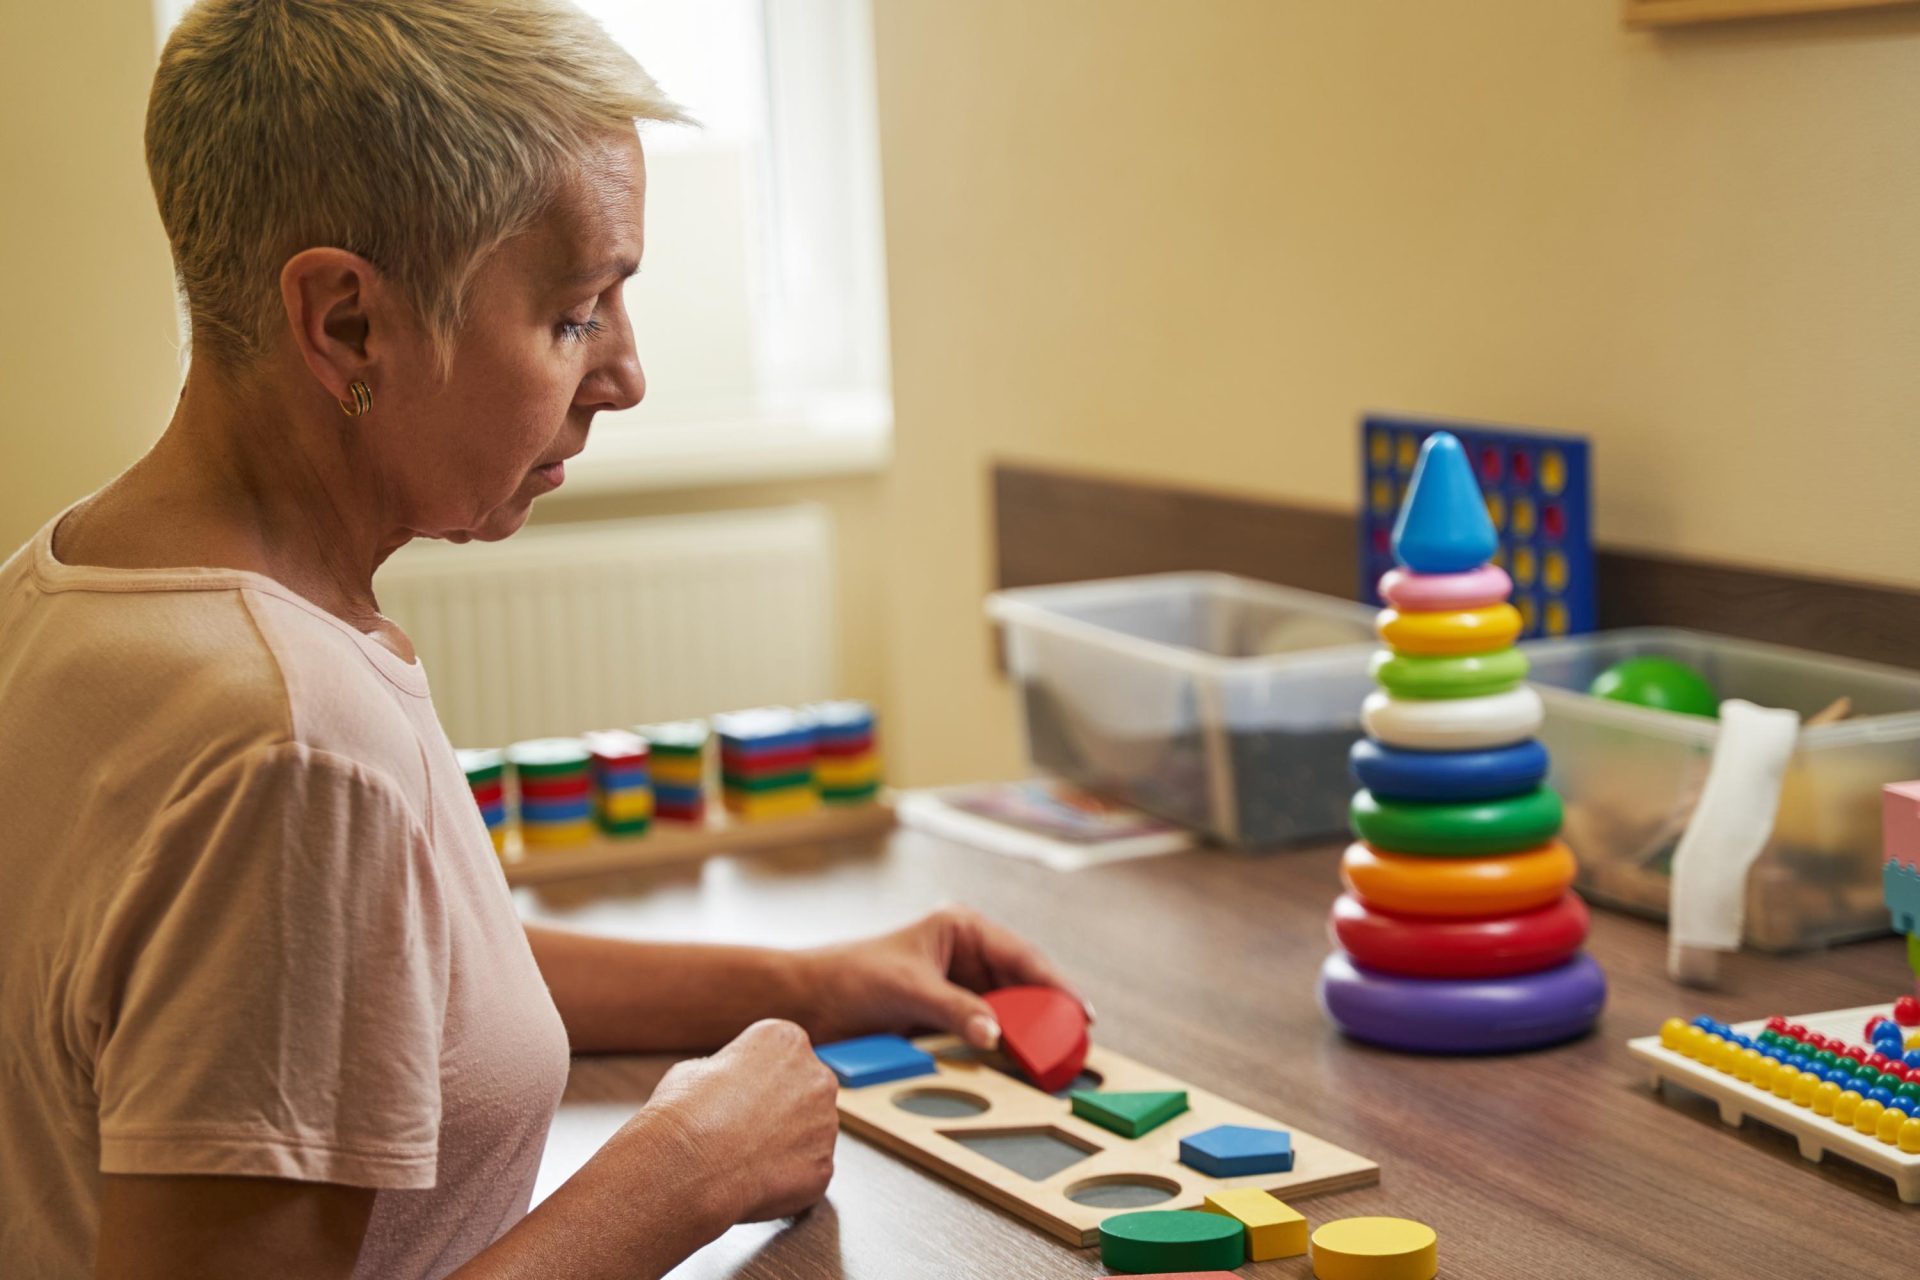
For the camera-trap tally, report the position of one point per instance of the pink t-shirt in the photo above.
(250, 921)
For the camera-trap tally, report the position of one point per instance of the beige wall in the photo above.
(1194, 241)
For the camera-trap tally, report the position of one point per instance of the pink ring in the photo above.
(1434, 592)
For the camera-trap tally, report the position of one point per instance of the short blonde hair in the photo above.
(416, 133)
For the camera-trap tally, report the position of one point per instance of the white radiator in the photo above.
(563, 628)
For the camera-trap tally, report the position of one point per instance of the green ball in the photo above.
(1660, 683)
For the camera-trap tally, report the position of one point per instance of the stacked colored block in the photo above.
(1900, 838)
(554, 780)
(679, 754)
(486, 771)
(1459, 931)
(1873, 1091)
(622, 781)
(847, 765)
(767, 759)
(1539, 503)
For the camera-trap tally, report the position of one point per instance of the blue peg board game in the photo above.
(1539, 490)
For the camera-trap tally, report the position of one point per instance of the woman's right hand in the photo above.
(759, 1118)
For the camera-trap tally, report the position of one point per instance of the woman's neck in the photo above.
(243, 480)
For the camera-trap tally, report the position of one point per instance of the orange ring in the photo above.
(1458, 887)
(1449, 632)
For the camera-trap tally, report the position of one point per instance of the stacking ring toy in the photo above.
(1462, 1015)
(1448, 775)
(1456, 887)
(1489, 948)
(1465, 676)
(1461, 631)
(1433, 592)
(1453, 724)
(1467, 828)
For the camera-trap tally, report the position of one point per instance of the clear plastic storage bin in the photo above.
(1630, 777)
(1220, 703)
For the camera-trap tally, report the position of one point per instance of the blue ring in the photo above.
(1490, 774)
(1462, 1015)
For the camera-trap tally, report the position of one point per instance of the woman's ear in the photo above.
(330, 297)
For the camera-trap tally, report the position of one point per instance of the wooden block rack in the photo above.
(1819, 1136)
(665, 843)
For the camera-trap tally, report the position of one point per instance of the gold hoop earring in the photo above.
(362, 399)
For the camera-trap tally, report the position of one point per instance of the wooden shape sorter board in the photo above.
(1819, 1135)
(1014, 1107)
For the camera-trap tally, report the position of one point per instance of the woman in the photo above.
(266, 1007)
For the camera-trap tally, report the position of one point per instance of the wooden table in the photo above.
(1553, 1164)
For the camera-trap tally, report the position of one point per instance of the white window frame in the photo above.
(830, 411)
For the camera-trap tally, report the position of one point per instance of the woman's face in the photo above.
(545, 345)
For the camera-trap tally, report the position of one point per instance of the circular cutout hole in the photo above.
(1123, 1191)
(942, 1104)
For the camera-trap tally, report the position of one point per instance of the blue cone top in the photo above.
(1443, 526)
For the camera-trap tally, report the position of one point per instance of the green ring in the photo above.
(1474, 675)
(1458, 829)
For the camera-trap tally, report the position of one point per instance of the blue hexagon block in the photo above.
(875, 1060)
(1235, 1150)
(1443, 526)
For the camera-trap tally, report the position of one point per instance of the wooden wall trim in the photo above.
(1061, 526)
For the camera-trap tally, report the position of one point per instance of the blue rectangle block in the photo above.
(1235, 1150)
(624, 779)
(1539, 491)
(668, 794)
(875, 1060)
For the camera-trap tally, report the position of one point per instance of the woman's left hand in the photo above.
(928, 974)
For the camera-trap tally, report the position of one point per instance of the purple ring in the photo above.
(1462, 1015)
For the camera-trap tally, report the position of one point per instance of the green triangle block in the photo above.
(1128, 1114)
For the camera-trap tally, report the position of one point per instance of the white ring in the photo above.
(1453, 724)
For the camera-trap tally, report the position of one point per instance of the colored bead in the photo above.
(1892, 1120)
(1784, 1080)
(1855, 1052)
(1873, 1024)
(1845, 1106)
(1910, 1136)
(1906, 1011)
(1804, 1086)
(1670, 1033)
(1693, 1044)
(1866, 1117)
(1824, 1097)
(1776, 1023)
(1880, 1097)
(1797, 1030)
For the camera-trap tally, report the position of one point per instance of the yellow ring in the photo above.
(1499, 886)
(1455, 632)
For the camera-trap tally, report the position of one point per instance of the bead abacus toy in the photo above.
(1807, 1075)
(486, 771)
(622, 781)
(1459, 931)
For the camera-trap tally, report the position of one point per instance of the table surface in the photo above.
(1559, 1163)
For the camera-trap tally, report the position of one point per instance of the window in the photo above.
(759, 310)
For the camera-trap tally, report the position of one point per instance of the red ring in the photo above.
(1487, 947)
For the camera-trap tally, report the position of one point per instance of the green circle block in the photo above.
(1167, 1240)
(1475, 675)
(1661, 683)
(1463, 829)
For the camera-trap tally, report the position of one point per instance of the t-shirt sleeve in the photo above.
(269, 990)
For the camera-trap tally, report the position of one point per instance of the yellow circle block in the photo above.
(1866, 1117)
(1824, 1097)
(1910, 1136)
(1375, 1249)
(1670, 1032)
(1454, 632)
(1846, 1106)
(1892, 1121)
(1803, 1086)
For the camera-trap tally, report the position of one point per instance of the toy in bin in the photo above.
(1459, 931)
(1537, 489)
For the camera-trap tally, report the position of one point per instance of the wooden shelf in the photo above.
(1670, 13)
(670, 842)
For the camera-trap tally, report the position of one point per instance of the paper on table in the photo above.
(1730, 827)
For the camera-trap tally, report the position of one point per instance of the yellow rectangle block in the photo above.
(772, 804)
(1273, 1229)
(624, 808)
(554, 835)
(848, 771)
(679, 773)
